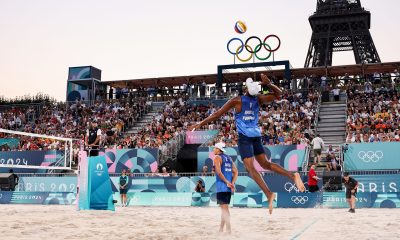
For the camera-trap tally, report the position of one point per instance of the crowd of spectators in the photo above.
(283, 122)
(167, 124)
(70, 121)
(373, 111)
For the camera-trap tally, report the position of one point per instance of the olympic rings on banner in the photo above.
(370, 156)
(254, 51)
(241, 48)
(299, 199)
(289, 187)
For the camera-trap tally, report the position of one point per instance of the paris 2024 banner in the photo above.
(374, 191)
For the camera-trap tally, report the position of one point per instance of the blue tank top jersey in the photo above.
(226, 170)
(247, 119)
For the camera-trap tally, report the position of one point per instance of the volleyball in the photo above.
(240, 27)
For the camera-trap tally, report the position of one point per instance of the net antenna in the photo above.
(51, 160)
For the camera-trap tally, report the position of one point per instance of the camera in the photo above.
(345, 147)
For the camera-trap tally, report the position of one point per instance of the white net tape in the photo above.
(60, 159)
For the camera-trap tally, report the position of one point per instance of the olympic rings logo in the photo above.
(253, 51)
(289, 187)
(370, 156)
(299, 199)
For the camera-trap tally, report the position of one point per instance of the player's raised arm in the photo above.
(215, 116)
(276, 91)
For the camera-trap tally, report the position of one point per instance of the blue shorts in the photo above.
(123, 190)
(223, 198)
(250, 146)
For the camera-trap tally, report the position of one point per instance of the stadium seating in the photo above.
(373, 114)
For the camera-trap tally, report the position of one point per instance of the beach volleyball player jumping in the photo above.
(250, 145)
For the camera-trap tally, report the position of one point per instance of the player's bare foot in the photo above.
(299, 183)
(271, 199)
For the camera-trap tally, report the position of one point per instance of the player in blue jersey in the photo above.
(250, 145)
(226, 174)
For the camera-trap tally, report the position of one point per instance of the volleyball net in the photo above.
(35, 151)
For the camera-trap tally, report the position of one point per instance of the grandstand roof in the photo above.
(332, 71)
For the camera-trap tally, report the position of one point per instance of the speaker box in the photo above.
(7, 181)
(332, 181)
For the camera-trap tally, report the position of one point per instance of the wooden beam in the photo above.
(332, 71)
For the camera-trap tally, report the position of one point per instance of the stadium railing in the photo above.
(341, 157)
(373, 172)
(209, 141)
(341, 152)
(199, 174)
(183, 174)
(317, 112)
(305, 165)
(172, 148)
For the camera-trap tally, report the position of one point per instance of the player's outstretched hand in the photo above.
(193, 127)
(265, 80)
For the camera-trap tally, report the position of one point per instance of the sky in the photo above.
(130, 39)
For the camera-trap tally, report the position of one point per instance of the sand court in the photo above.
(64, 222)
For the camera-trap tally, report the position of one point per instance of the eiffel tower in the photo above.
(340, 25)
